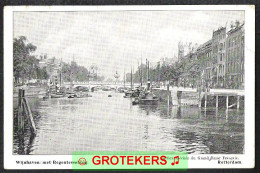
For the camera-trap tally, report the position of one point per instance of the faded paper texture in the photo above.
(128, 81)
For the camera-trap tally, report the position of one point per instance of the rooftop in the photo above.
(204, 45)
(235, 29)
(219, 30)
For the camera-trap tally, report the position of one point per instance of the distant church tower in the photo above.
(180, 51)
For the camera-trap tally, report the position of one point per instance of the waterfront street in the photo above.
(101, 123)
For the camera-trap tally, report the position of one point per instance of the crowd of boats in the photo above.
(61, 92)
(141, 95)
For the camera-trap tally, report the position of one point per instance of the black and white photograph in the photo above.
(128, 80)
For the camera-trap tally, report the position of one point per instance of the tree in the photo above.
(44, 74)
(232, 25)
(74, 72)
(237, 23)
(24, 62)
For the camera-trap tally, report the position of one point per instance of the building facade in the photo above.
(184, 49)
(218, 55)
(53, 67)
(235, 57)
(218, 63)
(206, 63)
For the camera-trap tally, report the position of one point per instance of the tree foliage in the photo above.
(167, 72)
(25, 64)
(74, 72)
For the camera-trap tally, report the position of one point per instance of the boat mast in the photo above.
(70, 77)
(131, 78)
(146, 71)
(141, 72)
(148, 80)
(60, 70)
(124, 78)
(149, 77)
(159, 74)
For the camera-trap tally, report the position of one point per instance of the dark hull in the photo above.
(148, 101)
(106, 89)
(128, 94)
(57, 96)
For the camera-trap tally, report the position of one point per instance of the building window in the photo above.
(227, 58)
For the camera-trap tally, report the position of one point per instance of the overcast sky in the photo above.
(117, 40)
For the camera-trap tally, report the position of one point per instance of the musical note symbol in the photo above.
(177, 162)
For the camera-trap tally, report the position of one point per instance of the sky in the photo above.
(116, 40)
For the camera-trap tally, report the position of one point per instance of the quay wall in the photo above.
(192, 98)
(188, 98)
(161, 94)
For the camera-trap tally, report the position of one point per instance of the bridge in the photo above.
(94, 84)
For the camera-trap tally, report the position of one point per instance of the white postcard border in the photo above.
(248, 159)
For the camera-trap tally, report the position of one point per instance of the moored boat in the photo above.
(57, 92)
(72, 95)
(146, 98)
(57, 95)
(106, 88)
(148, 101)
(136, 93)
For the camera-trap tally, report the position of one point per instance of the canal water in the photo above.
(102, 123)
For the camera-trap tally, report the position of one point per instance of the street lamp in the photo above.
(89, 76)
(116, 75)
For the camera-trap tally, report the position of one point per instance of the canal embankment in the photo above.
(191, 97)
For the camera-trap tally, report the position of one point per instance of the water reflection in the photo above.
(23, 138)
(113, 124)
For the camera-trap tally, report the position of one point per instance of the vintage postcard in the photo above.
(129, 87)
